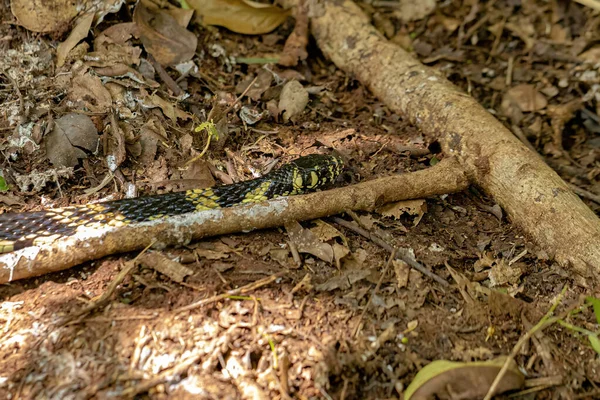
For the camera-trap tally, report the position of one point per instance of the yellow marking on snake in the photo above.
(203, 199)
(6, 246)
(258, 194)
(314, 179)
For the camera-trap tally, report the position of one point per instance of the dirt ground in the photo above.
(356, 327)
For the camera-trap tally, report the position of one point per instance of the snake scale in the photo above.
(303, 175)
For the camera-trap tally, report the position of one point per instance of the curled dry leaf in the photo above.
(73, 135)
(45, 15)
(417, 208)
(449, 380)
(293, 100)
(79, 33)
(163, 37)
(308, 242)
(239, 16)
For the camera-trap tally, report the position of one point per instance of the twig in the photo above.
(383, 274)
(381, 243)
(446, 176)
(584, 193)
(543, 323)
(109, 291)
(166, 78)
(234, 292)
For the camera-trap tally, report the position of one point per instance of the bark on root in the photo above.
(533, 195)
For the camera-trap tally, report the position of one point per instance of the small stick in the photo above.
(234, 292)
(111, 289)
(381, 243)
(542, 324)
(364, 311)
(166, 78)
(584, 193)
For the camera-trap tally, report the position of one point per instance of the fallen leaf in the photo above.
(502, 273)
(295, 45)
(10, 199)
(239, 16)
(410, 10)
(417, 208)
(170, 110)
(525, 97)
(344, 281)
(211, 254)
(44, 15)
(402, 271)
(339, 252)
(456, 380)
(293, 100)
(308, 242)
(72, 135)
(174, 270)
(151, 133)
(262, 83)
(87, 92)
(167, 41)
(79, 33)
(325, 231)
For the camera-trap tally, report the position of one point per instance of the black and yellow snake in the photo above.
(305, 174)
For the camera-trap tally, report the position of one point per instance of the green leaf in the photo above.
(595, 302)
(3, 184)
(595, 342)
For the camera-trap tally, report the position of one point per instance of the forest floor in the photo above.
(353, 328)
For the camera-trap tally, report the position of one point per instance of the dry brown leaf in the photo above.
(402, 271)
(525, 97)
(87, 92)
(417, 208)
(456, 380)
(44, 15)
(344, 281)
(330, 139)
(239, 16)
(79, 33)
(502, 273)
(308, 242)
(339, 252)
(167, 41)
(211, 254)
(293, 100)
(169, 109)
(72, 133)
(174, 270)
(325, 231)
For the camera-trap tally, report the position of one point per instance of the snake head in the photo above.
(316, 171)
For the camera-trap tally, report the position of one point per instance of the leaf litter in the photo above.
(304, 314)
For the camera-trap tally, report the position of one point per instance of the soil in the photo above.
(361, 327)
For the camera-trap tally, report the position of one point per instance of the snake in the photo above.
(303, 175)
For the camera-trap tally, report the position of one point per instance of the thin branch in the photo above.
(91, 244)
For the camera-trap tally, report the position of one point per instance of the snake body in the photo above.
(303, 175)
